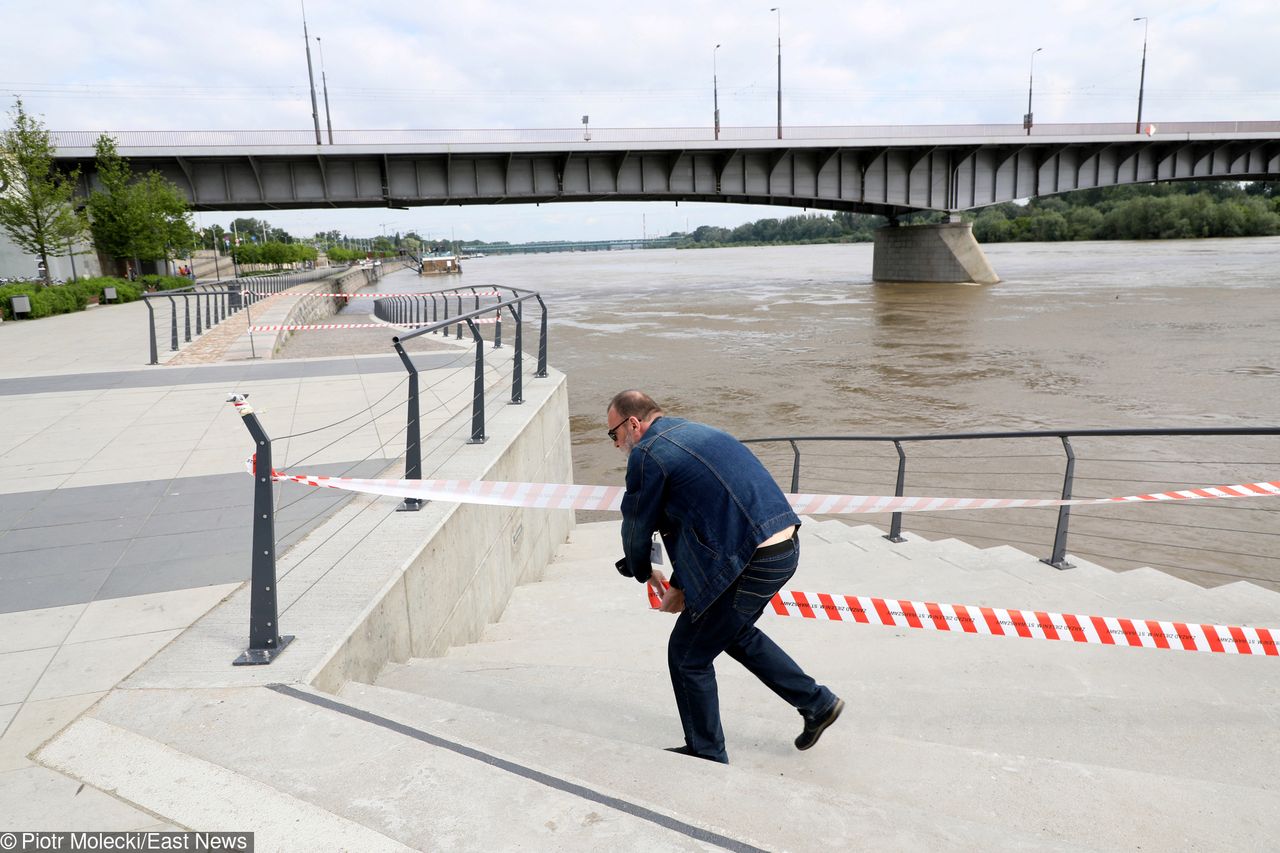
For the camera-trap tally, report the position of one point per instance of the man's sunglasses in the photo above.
(613, 431)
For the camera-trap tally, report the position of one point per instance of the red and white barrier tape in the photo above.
(1034, 625)
(315, 327)
(287, 327)
(563, 496)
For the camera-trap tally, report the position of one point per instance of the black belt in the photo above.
(775, 548)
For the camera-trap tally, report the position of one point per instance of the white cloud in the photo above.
(169, 64)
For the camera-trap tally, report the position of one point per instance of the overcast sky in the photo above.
(175, 64)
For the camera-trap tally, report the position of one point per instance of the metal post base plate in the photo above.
(481, 440)
(410, 505)
(896, 540)
(1059, 565)
(257, 657)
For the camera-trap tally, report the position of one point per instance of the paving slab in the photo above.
(37, 799)
(97, 666)
(20, 671)
(145, 614)
(37, 629)
(35, 723)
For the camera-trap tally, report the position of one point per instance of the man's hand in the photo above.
(672, 598)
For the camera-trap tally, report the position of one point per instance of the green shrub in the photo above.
(24, 289)
(126, 291)
(164, 282)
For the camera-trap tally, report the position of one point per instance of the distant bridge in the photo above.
(882, 170)
(580, 246)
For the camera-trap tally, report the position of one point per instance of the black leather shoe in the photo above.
(813, 729)
(685, 750)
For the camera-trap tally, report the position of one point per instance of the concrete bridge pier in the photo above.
(942, 253)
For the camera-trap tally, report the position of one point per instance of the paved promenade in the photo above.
(124, 505)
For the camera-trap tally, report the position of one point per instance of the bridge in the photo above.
(891, 170)
(579, 245)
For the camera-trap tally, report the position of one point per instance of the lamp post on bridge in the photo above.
(324, 82)
(311, 77)
(778, 9)
(1026, 119)
(1142, 76)
(715, 91)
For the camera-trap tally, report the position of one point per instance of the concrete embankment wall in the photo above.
(318, 309)
(459, 576)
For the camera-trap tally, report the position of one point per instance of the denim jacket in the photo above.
(710, 499)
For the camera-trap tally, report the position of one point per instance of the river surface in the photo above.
(797, 340)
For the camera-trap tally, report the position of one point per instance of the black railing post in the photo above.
(542, 342)
(199, 329)
(477, 400)
(173, 323)
(1059, 558)
(472, 325)
(151, 324)
(497, 329)
(895, 524)
(265, 642)
(413, 433)
(795, 467)
(517, 368)
(443, 330)
(186, 318)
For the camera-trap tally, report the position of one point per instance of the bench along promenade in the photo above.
(470, 673)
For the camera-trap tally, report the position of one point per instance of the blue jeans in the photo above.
(729, 625)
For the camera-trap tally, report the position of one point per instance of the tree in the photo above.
(143, 219)
(35, 198)
(115, 222)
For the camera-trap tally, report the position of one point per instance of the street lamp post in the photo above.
(1142, 76)
(715, 91)
(324, 82)
(778, 9)
(1027, 120)
(311, 77)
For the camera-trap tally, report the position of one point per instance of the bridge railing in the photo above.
(211, 303)
(607, 136)
(412, 309)
(1205, 540)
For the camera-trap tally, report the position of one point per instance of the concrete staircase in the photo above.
(953, 741)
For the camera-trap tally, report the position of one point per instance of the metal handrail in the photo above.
(218, 303)
(402, 308)
(1058, 558)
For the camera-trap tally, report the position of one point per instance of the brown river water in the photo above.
(797, 340)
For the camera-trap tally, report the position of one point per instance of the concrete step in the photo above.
(1001, 752)
(316, 779)
(1049, 704)
(937, 571)
(1136, 585)
(833, 530)
(838, 569)
(1238, 603)
(757, 805)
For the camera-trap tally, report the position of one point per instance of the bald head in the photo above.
(634, 404)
